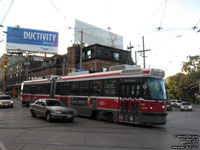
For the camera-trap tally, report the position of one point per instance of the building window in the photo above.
(89, 54)
(50, 63)
(91, 68)
(105, 68)
(116, 56)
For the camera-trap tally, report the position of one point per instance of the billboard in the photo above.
(94, 35)
(21, 39)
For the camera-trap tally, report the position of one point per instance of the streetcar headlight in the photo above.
(163, 106)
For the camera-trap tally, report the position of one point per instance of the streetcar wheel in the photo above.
(110, 117)
(22, 104)
(48, 117)
(98, 116)
(33, 114)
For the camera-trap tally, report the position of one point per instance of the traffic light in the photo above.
(4, 63)
(69, 70)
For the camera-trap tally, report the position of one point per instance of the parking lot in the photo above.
(19, 131)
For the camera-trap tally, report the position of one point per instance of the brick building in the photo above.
(97, 58)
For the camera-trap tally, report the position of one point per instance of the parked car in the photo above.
(186, 106)
(169, 106)
(173, 102)
(52, 109)
(6, 101)
(178, 103)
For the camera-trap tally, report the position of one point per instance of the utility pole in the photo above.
(27, 63)
(130, 47)
(81, 48)
(143, 51)
(63, 66)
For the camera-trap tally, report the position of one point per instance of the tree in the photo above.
(174, 86)
(193, 65)
(185, 85)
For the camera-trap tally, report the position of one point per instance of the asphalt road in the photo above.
(19, 131)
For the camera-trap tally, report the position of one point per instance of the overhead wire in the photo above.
(3, 3)
(196, 26)
(160, 27)
(6, 12)
(158, 8)
(54, 6)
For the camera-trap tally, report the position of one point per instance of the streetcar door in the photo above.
(128, 102)
(125, 100)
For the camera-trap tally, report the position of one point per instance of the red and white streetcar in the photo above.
(131, 95)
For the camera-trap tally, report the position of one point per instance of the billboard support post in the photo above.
(81, 49)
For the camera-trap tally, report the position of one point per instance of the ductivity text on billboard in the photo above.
(39, 36)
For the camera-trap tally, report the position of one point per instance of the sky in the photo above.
(132, 19)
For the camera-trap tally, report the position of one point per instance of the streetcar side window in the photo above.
(138, 90)
(133, 90)
(33, 89)
(26, 89)
(62, 88)
(46, 88)
(37, 89)
(58, 89)
(110, 87)
(85, 88)
(74, 88)
(124, 90)
(96, 88)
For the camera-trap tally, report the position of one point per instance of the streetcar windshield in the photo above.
(156, 88)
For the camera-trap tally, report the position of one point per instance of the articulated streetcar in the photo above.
(132, 96)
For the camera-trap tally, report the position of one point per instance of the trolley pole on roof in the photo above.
(143, 51)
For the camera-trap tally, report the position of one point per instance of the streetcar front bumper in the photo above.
(149, 118)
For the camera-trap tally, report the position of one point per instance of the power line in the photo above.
(160, 6)
(195, 27)
(7, 12)
(160, 27)
(54, 6)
